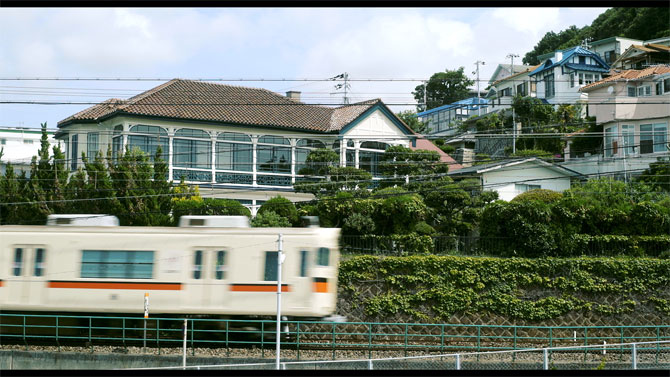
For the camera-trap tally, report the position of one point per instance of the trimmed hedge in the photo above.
(433, 288)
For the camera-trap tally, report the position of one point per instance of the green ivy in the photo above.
(437, 287)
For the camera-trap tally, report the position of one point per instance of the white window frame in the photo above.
(644, 91)
(628, 88)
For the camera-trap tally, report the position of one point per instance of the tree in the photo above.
(443, 88)
(657, 175)
(270, 219)
(410, 119)
(399, 162)
(318, 162)
(282, 207)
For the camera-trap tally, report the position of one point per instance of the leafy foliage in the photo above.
(410, 119)
(282, 207)
(270, 219)
(433, 288)
(542, 195)
(443, 88)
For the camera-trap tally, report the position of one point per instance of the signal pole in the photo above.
(512, 56)
(479, 108)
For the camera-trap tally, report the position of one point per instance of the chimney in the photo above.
(294, 95)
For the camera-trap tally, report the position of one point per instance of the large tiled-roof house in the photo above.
(246, 142)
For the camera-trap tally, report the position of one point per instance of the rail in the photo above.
(88, 331)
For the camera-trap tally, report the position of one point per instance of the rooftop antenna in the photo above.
(585, 43)
(343, 76)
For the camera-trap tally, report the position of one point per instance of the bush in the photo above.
(542, 195)
(270, 219)
(423, 228)
(282, 207)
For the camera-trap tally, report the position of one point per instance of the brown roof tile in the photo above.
(630, 74)
(197, 100)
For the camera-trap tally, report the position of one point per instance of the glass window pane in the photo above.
(323, 256)
(18, 261)
(270, 266)
(303, 263)
(220, 263)
(197, 265)
(39, 262)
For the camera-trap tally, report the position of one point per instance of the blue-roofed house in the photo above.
(559, 77)
(443, 120)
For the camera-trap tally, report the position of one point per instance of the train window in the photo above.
(270, 266)
(124, 264)
(197, 265)
(303, 263)
(323, 256)
(39, 262)
(18, 258)
(220, 264)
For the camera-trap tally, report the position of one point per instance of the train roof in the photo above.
(162, 230)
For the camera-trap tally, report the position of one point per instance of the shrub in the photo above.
(542, 195)
(270, 219)
(423, 228)
(282, 207)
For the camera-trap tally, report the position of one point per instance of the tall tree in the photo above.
(410, 119)
(443, 88)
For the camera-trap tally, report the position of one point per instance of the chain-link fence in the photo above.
(618, 356)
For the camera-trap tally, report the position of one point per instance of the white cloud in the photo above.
(536, 21)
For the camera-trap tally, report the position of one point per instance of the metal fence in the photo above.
(367, 338)
(492, 246)
(621, 356)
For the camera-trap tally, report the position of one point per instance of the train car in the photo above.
(186, 270)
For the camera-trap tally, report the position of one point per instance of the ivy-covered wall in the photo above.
(545, 291)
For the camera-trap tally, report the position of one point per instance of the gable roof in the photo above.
(204, 101)
(628, 75)
(518, 68)
(479, 169)
(567, 54)
(526, 70)
(422, 143)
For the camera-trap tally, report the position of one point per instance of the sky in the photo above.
(253, 44)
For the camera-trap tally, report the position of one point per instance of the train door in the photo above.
(302, 289)
(36, 275)
(27, 277)
(195, 290)
(218, 279)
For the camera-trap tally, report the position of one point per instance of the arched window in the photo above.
(273, 155)
(303, 147)
(147, 139)
(234, 152)
(192, 149)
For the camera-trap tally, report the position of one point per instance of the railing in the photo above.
(632, 356)
(329, 337)
(497, 246)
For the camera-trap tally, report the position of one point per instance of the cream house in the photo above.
(236, 142)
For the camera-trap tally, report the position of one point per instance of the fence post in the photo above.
(545, 358)
(185, 336)
(634, 356)
(370, 364)
(458, 361)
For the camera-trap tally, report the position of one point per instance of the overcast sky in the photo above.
(291, 43)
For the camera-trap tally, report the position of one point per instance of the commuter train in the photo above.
(198, 268)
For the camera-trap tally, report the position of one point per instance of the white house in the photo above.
(632, 107)
(234, 142)
(560, 77)
(510, 178)
(644, 54)
(19, 145)
(503, 90)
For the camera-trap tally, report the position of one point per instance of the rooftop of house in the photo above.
(479, 169)
(204, 101)
(565, 60)
(526, 70)
(426, 144)
(628, 75)
(473, 101)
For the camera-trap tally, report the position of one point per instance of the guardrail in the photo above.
(87, 331)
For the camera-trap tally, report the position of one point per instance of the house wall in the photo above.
(19, 146)
(507, 181)
(563, 93)
(627, 108)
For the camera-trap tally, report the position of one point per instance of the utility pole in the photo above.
(512, 56)
(479, 108)
(345, 85)
(425, 95)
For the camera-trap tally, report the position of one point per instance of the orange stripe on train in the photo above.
(114, 285)
(258, 288)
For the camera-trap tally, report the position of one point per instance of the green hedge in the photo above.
(433, 288)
